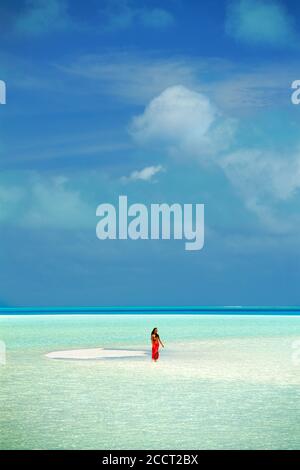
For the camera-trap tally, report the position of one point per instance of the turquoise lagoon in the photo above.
(222, 382)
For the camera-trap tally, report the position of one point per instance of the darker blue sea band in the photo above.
(151, 310)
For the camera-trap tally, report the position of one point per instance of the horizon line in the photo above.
(136, 309)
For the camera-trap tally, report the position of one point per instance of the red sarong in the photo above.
(155, 348)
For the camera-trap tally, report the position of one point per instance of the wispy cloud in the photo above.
(123, 14)
(132, 77)
(157, 18)
(42, 17)
(137, 79)
(260, 22)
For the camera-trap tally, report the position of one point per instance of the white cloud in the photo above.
(267, 173)
(146, 174)
(186, 122)
(41, 202)
(189, 126)
(264, 180)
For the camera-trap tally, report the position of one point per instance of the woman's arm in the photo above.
(161, 342)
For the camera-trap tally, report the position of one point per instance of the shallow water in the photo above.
(222, 382)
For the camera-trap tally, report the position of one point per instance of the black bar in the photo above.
(137, 459)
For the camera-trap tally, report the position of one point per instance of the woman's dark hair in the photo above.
(152, 332)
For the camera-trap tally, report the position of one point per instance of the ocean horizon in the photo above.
(225, 309)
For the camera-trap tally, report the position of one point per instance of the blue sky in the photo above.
(165, 101)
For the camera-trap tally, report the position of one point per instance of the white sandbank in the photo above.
(94, 353)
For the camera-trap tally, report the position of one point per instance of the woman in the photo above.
(155, 339)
